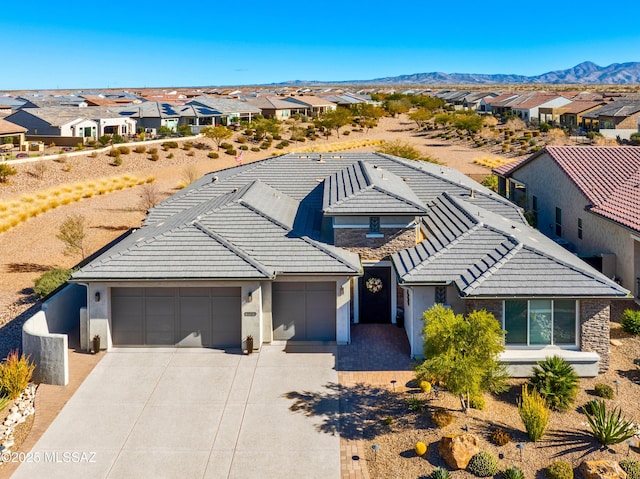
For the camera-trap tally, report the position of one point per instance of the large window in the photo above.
(540, 322)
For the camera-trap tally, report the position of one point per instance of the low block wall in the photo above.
(48, 351)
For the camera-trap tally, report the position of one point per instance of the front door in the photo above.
(375, 295)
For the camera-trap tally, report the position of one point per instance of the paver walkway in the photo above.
(378, 354)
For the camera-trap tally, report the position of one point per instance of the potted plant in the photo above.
(96, 344)
(249, 344)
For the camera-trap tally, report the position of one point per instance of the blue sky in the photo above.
(83, 45)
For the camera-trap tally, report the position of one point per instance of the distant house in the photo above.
(569, 115)
(588, 199)
(277, 107)
(90, 122)
(346, 100)
(497, 105)
(226, 111)
(473, 100)
(53, 101)
(313, 105)
(11, 135)
(527, 106)
(620, 118)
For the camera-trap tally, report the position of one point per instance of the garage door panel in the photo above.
(191, 317)
(195, 320)
(304, 311)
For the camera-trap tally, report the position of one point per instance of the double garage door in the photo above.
(304, 311)
(189, 317)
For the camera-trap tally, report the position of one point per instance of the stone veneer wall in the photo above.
(392, 241)
(493, 306)
(594, 329)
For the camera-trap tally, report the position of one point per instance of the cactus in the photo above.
(421, 448)
(439, 473)
(483, 464)
(513, 472)
(500, 437)
(631, 467)
(559, 470)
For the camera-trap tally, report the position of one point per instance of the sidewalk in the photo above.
(51, 399)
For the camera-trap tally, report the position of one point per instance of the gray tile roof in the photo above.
(486, 255)
(246, 233)
(363, 188)
(225, 106)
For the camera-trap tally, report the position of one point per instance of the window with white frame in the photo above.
(540, 322)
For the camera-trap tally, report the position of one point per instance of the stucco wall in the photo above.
(48, 351)
(63, 309)
(553, 189)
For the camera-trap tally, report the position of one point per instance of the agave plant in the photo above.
(611, 427)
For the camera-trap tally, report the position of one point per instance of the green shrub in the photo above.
(170, 155)
(231, 151)
(154, 157)
(534, 413)
(477, 402)
(631, 467)
(442, 417)
(635, 139)
(603, 390)
(483, 464)
(513, 472)
(439, 473)
(414, 403)
(117, 161)
(243, 147)
(255, 148)
(500, 437)
(124, 150)
(631, 321)
(609, 427)
(226, 146)
(104, 140)
(140, 149)
(169, 144)
(50, 281)
(556, 381)
(6, 171)
(213, 155)
(114, 153)
(117, 139)
(559, 470)
(153, 150)
(15, 374)
(346, 133)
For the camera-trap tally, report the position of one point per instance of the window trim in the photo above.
(528, 346)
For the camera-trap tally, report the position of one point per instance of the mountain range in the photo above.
(583, 73)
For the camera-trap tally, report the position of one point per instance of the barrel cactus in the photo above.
(439, 473)
(421, 448)
(483, 464)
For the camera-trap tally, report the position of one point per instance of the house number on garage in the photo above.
(250, 313)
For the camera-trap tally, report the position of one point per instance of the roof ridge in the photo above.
(244, 203)
(496, 266)
(318, 245)
(235, 249)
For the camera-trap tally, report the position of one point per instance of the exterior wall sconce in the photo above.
(249, 297)
(342, 290)
(97, 296)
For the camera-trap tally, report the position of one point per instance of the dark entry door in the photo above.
(375, 301)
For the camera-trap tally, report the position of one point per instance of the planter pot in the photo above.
(249, 344)
(96, 344)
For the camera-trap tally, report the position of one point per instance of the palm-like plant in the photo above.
(556, 381)
(611, 427)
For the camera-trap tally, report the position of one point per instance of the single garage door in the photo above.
(189, 317)
(304, 311)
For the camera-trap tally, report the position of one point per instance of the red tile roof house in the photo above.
(588, 198)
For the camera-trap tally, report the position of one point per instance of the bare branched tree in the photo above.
(72, 234)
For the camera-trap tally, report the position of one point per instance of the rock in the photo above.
(457, 451)
(615, 342)
(602, 470)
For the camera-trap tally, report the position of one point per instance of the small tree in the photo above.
(217, 133)
(471, 123)
(421, 116)
(334, 119)
(72, 234)
(462, 351)
(6, 171)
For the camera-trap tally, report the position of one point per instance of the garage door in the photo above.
(304, 311)
(189, 317)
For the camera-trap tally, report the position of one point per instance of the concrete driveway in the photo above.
(196, 413)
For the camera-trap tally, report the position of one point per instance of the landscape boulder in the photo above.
(458, 450)
(602, 470)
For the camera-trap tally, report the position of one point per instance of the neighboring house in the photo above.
(152, 115)
(620, 118)
(276, 107)
(11, 135)
(569, 115)
(346, 100)
(497, 105)
(474, 100)
(297, 247)
(527, 106)
(313, 105)
(90, 122)
(53, 101)
(219, 111)
(587, 198)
